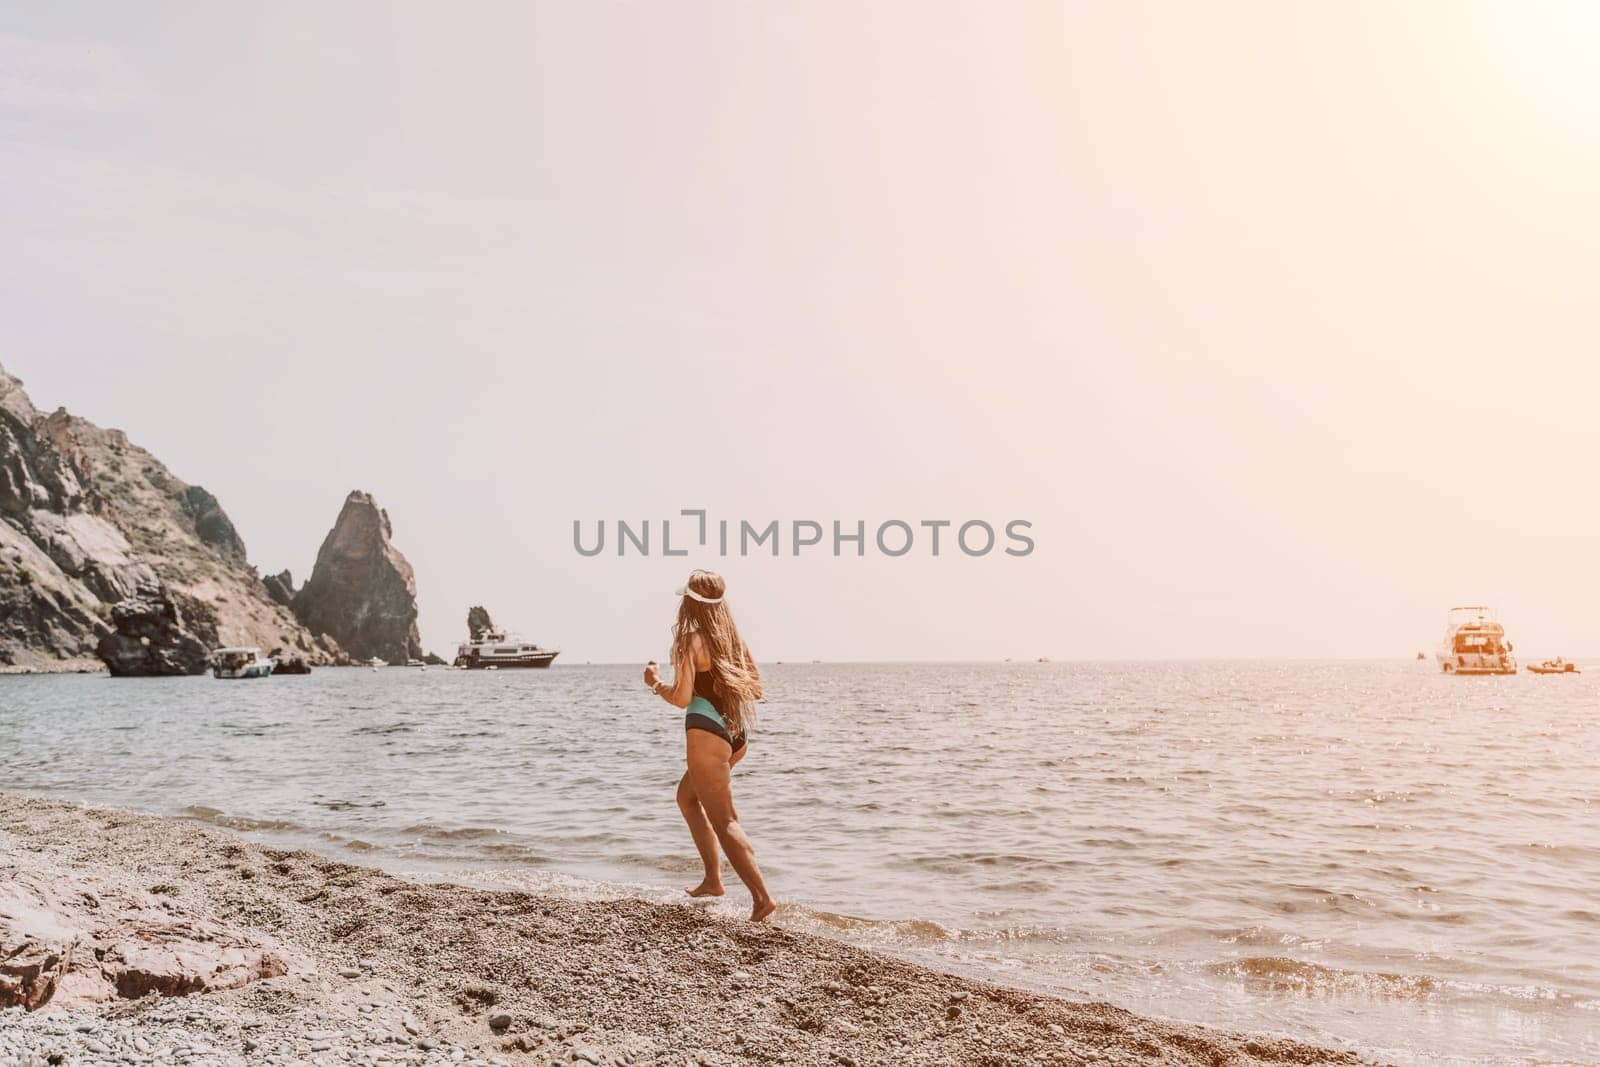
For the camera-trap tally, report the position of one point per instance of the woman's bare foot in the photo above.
(761, 909)
(707, 888)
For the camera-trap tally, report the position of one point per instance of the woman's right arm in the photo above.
(680, 691)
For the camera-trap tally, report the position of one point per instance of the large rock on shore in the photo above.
(150, 637)
(66, 943)
(288, 661)
(362, 592)
(88, 519)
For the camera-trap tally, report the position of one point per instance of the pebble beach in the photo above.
(297, 959)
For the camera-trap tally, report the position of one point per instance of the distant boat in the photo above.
(1475, 643)
(240, 663)
(492, 649)
(1555, 666)
(1422, 655)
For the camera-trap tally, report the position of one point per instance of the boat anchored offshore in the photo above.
(240, 663)
(1554, 666)
(492, 649)
(1475, 643)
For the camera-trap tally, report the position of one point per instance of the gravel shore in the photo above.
(377, 969)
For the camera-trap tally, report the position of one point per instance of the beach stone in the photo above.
(499, 1022)
(68, 942)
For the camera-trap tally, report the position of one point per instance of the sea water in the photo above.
(1366, 856)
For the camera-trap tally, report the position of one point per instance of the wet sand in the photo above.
(380, 969)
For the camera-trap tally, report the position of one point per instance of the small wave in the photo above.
(671, 863)
(522, 853)
(1118, 843)
(1255, 935)
(963, 862)
(1279, 974)
(380, 729)
(1544, 850)
(915, 930)
(459, 833)
(201, 813)
(1006, 935)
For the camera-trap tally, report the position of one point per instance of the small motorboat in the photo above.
(240, 663)
(1555, 666)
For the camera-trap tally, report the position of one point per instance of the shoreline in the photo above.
(66, 666)
(331, 962)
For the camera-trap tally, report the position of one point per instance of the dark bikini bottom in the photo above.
(702, 716)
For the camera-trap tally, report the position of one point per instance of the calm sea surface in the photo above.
(1363, 855)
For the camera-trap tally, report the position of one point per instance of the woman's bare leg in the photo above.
(710, 760)
(705, 840)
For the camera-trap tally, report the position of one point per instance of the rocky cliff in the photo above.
(362, 592)
(88, 519)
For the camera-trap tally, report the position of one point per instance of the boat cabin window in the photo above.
(1484, 643)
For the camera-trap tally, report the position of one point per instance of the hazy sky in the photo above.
(1278, 321)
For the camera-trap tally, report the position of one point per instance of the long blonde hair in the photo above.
(735, 681)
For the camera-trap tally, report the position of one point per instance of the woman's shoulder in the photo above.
(699, 651)
(693, 644)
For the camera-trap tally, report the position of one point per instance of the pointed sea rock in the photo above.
(362, 592)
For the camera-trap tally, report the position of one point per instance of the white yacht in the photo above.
(494, 649)
(240, 663)
(1475, 643)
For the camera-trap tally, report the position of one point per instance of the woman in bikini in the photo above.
(716, 682)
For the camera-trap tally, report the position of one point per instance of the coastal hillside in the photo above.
(89, 519)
